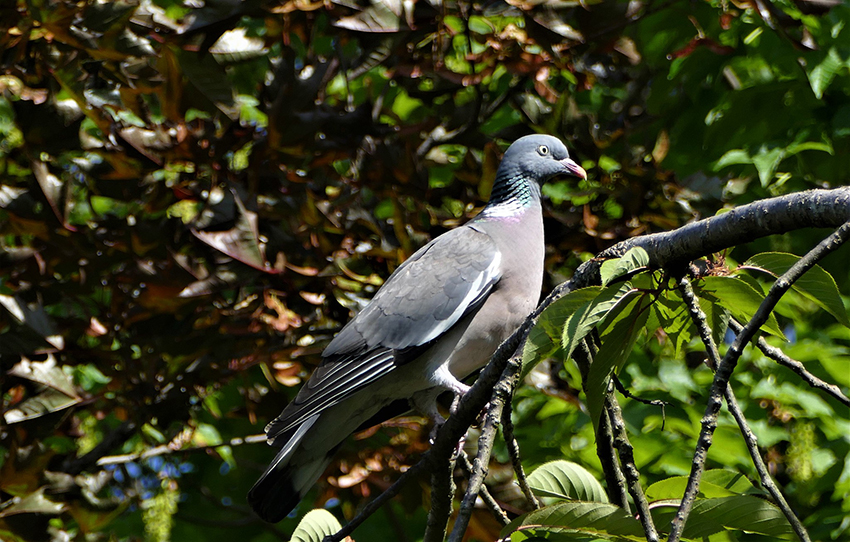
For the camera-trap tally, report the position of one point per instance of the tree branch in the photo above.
(701, 323)
(502, 393)
(513, 451)
(764, 474)
(730, 360)
(373, 506)
(488, 499)
(815, 208)
(627, 459)
(783, 359)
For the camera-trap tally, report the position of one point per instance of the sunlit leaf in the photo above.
(34, 503)
(47, 373)
(622, 326)
(566, 480)
(635, 258)
(739, 298)
(315, 526)
(738, 513)
(545, 337)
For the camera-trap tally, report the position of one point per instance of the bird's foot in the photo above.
(459, 390)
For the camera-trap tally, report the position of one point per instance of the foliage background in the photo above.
(193, 197)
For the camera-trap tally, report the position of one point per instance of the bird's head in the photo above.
(538, 158)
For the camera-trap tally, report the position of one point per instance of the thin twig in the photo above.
(373, 506)
(166, 449)
(764, 475)
(513, 451)
(627, 459)
(783, 359)
(701, 323)
(651, 402)
(730, 360)
(488, 499)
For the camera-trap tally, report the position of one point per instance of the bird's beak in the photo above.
(574, 169)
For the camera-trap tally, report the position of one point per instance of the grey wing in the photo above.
(428, 294)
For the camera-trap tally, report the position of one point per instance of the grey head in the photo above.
(538, 158)
(528, 163)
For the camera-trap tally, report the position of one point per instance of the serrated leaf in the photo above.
(575, 520)
(816, 284)
(739, 298)
(315, 526)
(635, 258)
(34, 317)
(242, 242)
(623, 325)
(566, 480)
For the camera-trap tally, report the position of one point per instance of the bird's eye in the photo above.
(542, 150)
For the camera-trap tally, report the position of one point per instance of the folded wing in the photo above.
(429, 293)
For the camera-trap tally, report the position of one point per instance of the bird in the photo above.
(437, 319)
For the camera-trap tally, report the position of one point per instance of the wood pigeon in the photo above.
(437, 319)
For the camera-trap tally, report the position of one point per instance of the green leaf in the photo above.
(822, 74)
(575, 520)
(715, 483)
(674, 319)
(566, 480)
(315, 526)
(740, 513)
(585, 318)
(544, 338)
(635, 258)
(816, 284)
(766, 160)
(739, 298)
(622, 326)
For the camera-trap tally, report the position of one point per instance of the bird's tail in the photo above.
(285, 482)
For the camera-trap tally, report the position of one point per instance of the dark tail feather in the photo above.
(274, 496)
(287, 479)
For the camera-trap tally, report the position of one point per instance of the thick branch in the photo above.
(442, 495)
(730, 360)
(810, 209)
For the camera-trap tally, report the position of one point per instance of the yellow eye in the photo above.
(542, 150)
